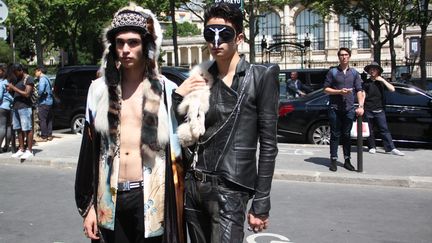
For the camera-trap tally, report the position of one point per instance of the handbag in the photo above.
(365, 129)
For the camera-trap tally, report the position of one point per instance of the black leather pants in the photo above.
(214, 210)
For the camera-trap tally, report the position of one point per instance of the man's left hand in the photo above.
(359, 111)
(257, 223)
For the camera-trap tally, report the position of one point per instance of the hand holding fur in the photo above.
(195, 105)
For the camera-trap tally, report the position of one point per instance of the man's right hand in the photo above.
(194, 82)
(90, 225)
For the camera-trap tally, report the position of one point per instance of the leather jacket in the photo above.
(228, 147)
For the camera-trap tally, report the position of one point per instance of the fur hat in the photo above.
(138, 19)
(373, 65)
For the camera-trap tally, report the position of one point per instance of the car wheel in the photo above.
(77, 123)
(319, 133)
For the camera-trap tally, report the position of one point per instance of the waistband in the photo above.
(202, 176)
(129, 185)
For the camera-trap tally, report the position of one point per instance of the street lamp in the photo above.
(263, 48)
(306, 43)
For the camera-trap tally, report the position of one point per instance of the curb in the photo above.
(358, 179)
(52, 162)
(279, 174)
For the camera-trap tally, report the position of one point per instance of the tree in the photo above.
(5, 52)
(423, 19)
(29, 23)
(184, 29)
(393, 15)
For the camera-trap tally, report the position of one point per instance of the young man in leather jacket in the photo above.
(243, 110)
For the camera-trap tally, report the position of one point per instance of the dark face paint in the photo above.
(218, 34)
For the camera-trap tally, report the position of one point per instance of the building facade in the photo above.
(295, 37)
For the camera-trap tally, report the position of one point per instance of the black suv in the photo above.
(70, 91)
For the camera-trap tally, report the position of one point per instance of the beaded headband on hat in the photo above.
(128, 19)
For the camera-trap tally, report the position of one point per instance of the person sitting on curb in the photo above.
(374, 108)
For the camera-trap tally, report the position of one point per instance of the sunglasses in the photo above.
(218, 34)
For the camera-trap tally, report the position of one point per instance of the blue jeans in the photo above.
(22, 119)
(379, 119)
(340, 128)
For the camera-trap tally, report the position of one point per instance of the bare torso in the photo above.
(130, 133)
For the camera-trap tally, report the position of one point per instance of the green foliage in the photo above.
(75, 26)
(5, 52)
(183, 29)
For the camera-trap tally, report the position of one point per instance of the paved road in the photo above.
(37, 205)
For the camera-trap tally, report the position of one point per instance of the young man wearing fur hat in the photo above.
(374, 108)
(243, 109)
(124, 185)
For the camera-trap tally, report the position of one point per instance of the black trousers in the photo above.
(214, 210)
(129, 221)
(45, 120)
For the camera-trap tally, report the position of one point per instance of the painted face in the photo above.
(218, 34)
(129, 49)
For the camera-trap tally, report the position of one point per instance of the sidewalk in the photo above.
(296, 162)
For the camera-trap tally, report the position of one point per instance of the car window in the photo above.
(406, 97)
(80, 80)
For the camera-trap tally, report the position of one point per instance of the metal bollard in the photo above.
(359, 144)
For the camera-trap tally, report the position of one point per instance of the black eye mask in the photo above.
(218, 34)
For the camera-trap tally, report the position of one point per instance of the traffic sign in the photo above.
(237, 3)
(3, 11)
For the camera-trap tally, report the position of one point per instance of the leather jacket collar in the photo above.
(241, 69)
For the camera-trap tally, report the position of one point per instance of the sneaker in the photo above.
(27, 155)
(18, 154)
(372, 151)
(397, 152)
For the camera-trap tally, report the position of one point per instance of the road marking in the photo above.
(251, 238)
(295, 151)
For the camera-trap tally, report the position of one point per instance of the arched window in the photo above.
(310, 25)
(268, 29)
(348, 37)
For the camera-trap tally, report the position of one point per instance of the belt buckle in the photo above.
(199, 176)
(124, 186)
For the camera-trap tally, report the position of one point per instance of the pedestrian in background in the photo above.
(225, 173)
(22, 111)
(45, 102)
(294, 87)
(341, 84)
(374, 107)
(6, 101)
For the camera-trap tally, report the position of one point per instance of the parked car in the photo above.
(70, 91)
(408, 109)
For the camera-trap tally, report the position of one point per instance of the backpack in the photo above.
(34, 95)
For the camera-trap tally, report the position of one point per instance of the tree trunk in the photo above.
(423, 27)
(174, 37)
(251, 32)
(39, 48)
(392, 58)
(377, 44)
